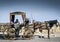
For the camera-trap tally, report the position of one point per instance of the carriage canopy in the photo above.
(12, 16)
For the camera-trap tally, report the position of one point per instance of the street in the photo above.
(57, 39)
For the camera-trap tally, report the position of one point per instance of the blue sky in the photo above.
(39, 10)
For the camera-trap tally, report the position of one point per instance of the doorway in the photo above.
(19, 18)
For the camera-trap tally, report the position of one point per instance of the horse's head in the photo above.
(52, 22)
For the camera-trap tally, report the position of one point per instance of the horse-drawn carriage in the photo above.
(28, 31)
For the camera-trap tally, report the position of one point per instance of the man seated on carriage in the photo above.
(16, 25)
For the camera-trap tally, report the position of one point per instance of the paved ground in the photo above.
(35, 39)
(57, 39)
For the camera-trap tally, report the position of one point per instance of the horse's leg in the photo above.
(40, 30)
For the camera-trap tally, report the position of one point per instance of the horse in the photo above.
(45, 25)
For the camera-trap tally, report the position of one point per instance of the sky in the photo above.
(38, 10)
